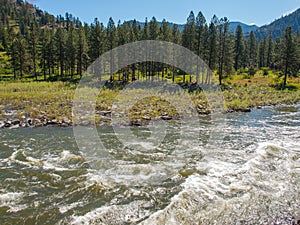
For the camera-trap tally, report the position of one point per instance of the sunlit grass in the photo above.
(53, 100)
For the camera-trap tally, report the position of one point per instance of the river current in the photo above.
(248, 175)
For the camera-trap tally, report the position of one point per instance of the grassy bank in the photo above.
(43, 103)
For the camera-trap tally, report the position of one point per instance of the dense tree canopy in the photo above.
(39, 43)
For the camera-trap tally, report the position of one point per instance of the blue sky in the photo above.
(259, 12)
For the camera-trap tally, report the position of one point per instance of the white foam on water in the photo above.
(65, 208)
(52, 166)
(12, 200)
(228, 190)
(61, 162)
(115, 214)
(66, 155)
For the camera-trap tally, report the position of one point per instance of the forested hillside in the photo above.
(36, 44)
(277, 27)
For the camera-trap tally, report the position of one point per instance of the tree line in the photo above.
(41, 44)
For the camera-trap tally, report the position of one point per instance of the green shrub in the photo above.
(252, 71)
(246, 76)
(265, 71)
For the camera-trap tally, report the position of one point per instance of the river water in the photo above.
(249, 175)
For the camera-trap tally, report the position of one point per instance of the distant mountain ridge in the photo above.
(246, 28)
(275, 28)
(232, 25)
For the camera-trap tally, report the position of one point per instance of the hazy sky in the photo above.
(259, 12)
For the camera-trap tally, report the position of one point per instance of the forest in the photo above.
(40, 46)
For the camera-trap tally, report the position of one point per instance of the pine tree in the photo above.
(45, 40)
(111, 39)
(212, 58)
(200, 34)
(176, 39)
(239, 48)
(253, 45)
(297, 52)
(96, 40)
(71, 50)
(153, 29)
(165, 32)
(82, 51)
(51, 52)
(270, 52)
(229, 52)
(288, 54)
(189, 35)
(136, 31)
(22, 54)
(224, 59)
(146, 36)
(60, 44)
(165, 35)
(3, 37)
(14, 52)
(153, 35)
(262, 53)
(33, 43)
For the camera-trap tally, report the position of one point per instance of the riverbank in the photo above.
(50, 103)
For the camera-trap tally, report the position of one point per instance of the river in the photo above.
(249, 175)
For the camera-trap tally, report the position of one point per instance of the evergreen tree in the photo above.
(270, 52)
(33, 42)
(262, 53)
(153, 29)
(136, 31)
(60, 48)
(224, 59)
(96, 40)
(3, 37)
(253, 45)
(82, 51)
(239, 48)
(111, 38)
(200, 34)
(176, 39)
(165, 33)
(288, 54)
(212, 58)
(153, 35)
(200, 40)
(146, 36)
(297, 52)
(45, 41)
(71, 50)
(22, 54)
(189, 34)
(14, 54)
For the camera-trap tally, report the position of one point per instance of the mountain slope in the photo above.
(277, 27)
(246, 28)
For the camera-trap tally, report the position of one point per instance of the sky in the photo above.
(259, 12)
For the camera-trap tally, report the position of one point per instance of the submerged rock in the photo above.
(8, 123)
(287, 109)
(166, 117)
(245, 110)
(15, 122)
(14, 126)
